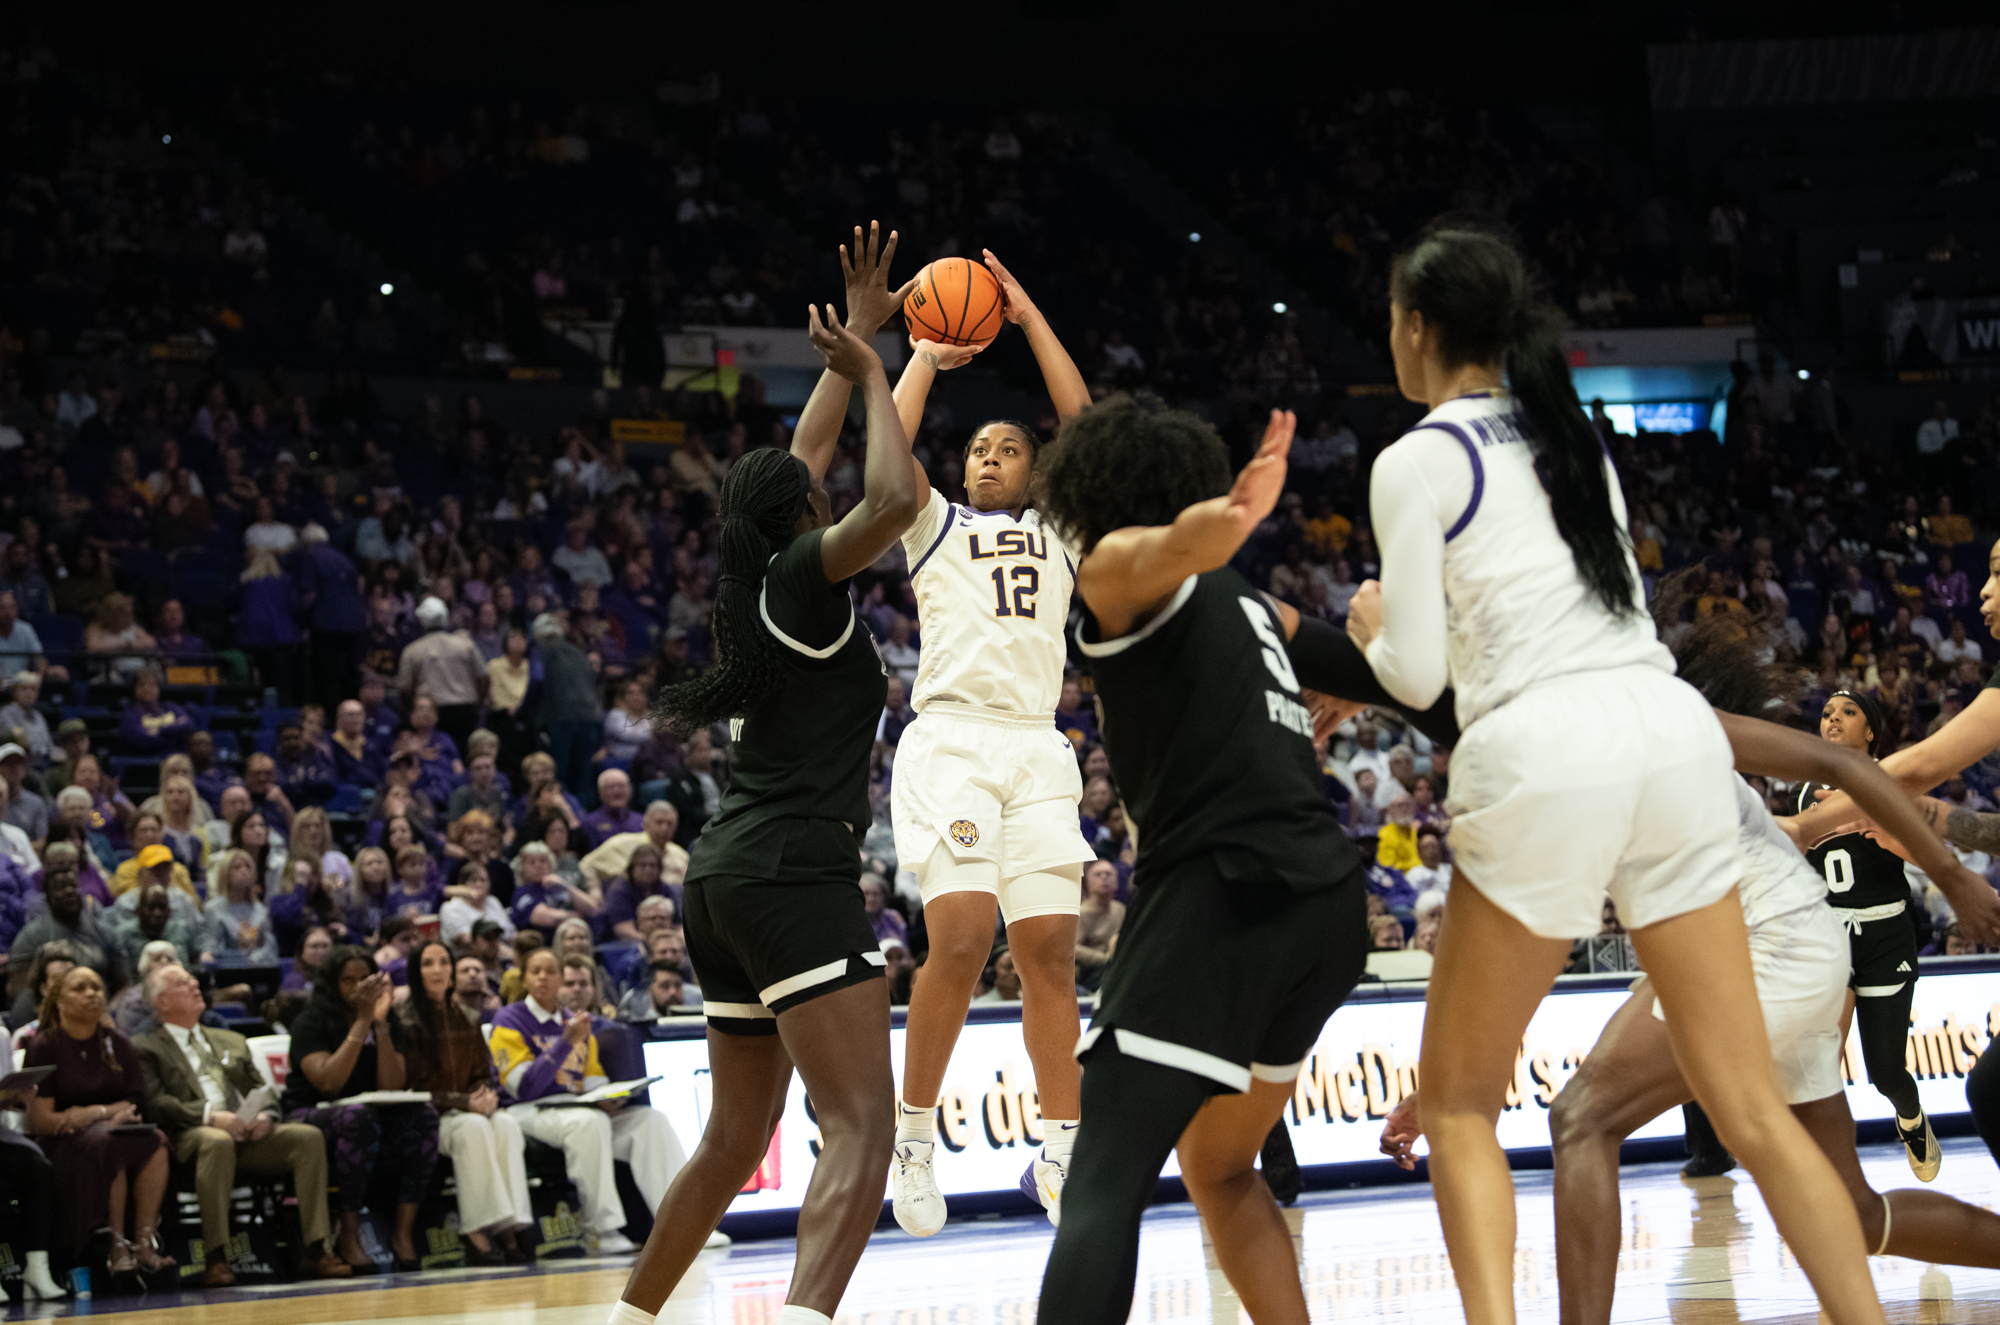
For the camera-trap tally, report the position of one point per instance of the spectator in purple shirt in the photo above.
(644, 877)
(210, 778)
(171, 638)
(542, 900)
(614, 814)
(152, 726)
(304, 771)
(356, 763)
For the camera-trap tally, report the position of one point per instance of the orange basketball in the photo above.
(956, 301)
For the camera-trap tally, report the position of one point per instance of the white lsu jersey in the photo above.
(992, 601)
(1517, 609)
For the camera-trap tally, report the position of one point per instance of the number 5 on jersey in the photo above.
(1027, 581)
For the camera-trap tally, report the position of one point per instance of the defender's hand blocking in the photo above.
(870, 301)
(1255, 494)
(844, 352)
(1400, 1132)
(1014, 302)
(1328, 712)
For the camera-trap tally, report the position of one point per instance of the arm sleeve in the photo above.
(1328, 661)
(1408, 653)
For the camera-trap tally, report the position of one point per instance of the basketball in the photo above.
(956, 301)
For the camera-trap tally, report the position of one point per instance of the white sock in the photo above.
(790, 1315)
(912, 1124)
(1058, 1138)
(1909, 1124)
(626, 1314)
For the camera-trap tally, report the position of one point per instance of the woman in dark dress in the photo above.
(79, 1118)
(342, 1046)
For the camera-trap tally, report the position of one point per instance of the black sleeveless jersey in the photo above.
(801, 752)
(1859, 873)
(1209, 742)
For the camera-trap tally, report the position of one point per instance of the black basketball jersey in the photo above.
(1859, 872)
(801, 752)
(1210, 745)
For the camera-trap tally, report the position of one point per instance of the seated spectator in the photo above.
(1396, 839)
(313, 949)
(627, 728)
(171, 638)
(342, 1045)
(542, 794)
(542, 899)
(196, 1080)
(458, 915)
(152, 726)
(220, 831)
(610, 859)
(1006, 987)
(310, 899)
(696, 792)
(614, 813)
(368, 897)
(71, 917)
(78, 1116)
(26, 810)
(1385, 934)
(1097, 921)
(1074, 718)
(513, 980)
(661, 996)
(181, 817)
(153, 921)
(416, 893)
(400, 937)
(1957, 648)
(626, 964)
(239, 924)
(541, 1052)
(645, 876)
(302, 771)
(260, 780)
(481, 792)
(130, 1012)
(71, 837)
(477, 842)
(1433, 871)
(1098, 798)
(20, 645)
(16, 849)
(252, 834)
(445, 1054)
(436, 749)
(210, 778)
(312, 837)
(585, 988)
(1364, 817)
(37, 978)
(110, 812)
(356, 761)
(1424, 799)
(475, 981)
(23, 724)
(1945, 528)
(887, 922)
(114, 635)
(72, 744)
(1393, 890)
(148, 833)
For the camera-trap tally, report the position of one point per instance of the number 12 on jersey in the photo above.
(1027, 581)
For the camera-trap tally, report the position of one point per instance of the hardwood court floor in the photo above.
(1701, 1253)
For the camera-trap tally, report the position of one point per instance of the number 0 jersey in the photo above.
(992, 600)
(1860, 873)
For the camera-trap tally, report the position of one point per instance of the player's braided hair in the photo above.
(1128, 460)
(1469, 282)
(761, 501)
(1723, 655)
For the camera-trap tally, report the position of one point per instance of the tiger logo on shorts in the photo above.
(965, 832)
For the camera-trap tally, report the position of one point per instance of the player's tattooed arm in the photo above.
(1067, 390)
(870, 303)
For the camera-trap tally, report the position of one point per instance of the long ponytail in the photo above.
(762, 498)
(1470, 283)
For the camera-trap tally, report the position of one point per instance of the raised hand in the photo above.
(941, 357)
(577, 1030)
(870, 301)
(844, 353)
(1255, 494)
(1015, 304)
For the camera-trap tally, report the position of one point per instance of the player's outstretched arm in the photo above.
(927, 359)
(1769, 750)
(892, 487)
(870, 303)
(1132, 572)
(1067, 391)
(1330, 662)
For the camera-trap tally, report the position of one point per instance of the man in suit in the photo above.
(196, 1080)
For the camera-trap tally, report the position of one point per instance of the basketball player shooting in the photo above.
(985, 793)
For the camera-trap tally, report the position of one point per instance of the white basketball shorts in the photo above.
(999, 792)
(1617, 783)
